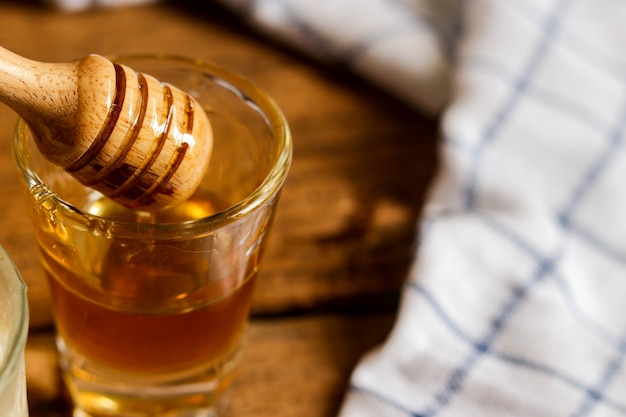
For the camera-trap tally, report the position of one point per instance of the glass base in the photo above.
(198, 394)
(182, 401)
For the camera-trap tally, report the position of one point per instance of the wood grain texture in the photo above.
(346, 224)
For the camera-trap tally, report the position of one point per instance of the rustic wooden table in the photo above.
(344, 232)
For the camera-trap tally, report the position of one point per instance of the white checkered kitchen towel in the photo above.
(516, 304)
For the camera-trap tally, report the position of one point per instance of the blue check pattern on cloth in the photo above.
(516, 302)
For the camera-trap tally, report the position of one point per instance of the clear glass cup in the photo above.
(151, 308)
(13, 334)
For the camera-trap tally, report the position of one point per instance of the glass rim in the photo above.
(18, 329)
(247, 91)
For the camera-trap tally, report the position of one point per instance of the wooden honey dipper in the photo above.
(143, 143)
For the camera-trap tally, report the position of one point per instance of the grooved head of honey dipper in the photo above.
(153, 146)
(178, 169)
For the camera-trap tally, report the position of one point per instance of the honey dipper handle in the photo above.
(34, 88)
(63, 103)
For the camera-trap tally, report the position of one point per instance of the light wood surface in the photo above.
(346, 224)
